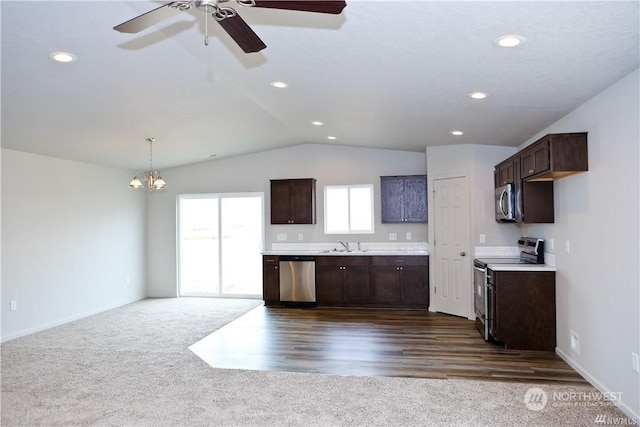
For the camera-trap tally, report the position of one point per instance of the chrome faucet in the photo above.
(345, 244)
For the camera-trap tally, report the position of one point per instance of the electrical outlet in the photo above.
(408, 235)
(552, 245)
(634, 362)
(575, 342)
(300, 236)
(393, 236)
(567, 246)
(483, 238)
(13, 306)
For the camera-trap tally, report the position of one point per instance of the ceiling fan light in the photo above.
(135, 183)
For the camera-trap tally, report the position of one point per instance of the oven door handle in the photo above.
(483, 270)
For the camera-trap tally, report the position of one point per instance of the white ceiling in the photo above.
(386, 74)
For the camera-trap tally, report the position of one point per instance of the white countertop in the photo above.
(521, 267)
(351, 253)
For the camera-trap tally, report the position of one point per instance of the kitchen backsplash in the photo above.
(508, 252)
(497, 252)
(370, 246)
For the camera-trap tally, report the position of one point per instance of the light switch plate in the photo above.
(483, 238)
(575, 342)
(393, 236)
(282, 237)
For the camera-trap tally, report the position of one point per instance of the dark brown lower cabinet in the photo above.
(523, 309)
(360, 281)
(270, 280)
(342, 280)
(400, 281)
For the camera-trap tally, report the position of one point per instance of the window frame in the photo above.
(350, 230)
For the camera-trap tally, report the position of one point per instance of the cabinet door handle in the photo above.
(531, 170)
(463, 253)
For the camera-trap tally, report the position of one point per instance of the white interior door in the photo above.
(453, 291)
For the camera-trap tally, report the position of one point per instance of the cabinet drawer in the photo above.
(351, 260)
(402, 260)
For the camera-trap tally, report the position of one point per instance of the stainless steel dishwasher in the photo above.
(298, 281)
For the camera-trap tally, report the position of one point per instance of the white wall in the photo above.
(597, 283)
(328, 164)
(71, 234)
(476, 162)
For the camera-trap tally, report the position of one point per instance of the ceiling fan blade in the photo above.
(328, 6)
(148, 19)
(242, 34)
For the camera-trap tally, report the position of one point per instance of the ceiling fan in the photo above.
(227, 17)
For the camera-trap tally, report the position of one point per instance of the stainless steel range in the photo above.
(531, 252)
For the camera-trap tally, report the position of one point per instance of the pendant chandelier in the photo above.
(152, 178)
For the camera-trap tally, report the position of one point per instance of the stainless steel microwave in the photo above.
(505, 203)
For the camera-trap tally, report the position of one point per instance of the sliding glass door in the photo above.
(219, 244)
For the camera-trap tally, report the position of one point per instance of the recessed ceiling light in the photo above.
(457, 132)
(279, 85)
(63, 57)
(478, 95)
(510, 40)
(331, 137)
(317, 123)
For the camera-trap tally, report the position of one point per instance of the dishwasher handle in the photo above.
(296, 258)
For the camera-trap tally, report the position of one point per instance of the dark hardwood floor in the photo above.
(373, 342)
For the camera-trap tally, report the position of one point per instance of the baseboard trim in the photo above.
(594, 382)
(24, 333)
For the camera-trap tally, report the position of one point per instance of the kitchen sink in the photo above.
(344, 251)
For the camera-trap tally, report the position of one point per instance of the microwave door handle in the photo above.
(501, 202)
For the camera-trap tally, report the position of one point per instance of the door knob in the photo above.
(463, 253)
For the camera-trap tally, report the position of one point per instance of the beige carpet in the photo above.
(131, 366)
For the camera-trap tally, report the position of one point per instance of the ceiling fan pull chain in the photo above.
(206, 30)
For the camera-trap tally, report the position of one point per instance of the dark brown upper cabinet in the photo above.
(504, 173)
(554, 156)
(293, 201)
(403, 199)
(532, 171)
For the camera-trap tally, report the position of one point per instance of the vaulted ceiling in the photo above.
(385, 74)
